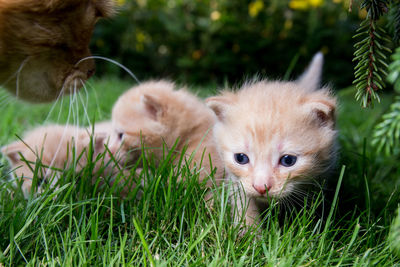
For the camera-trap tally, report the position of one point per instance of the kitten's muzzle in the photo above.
(262, 189)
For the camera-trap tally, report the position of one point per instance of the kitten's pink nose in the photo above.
(262, 189)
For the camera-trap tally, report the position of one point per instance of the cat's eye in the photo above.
(120, 135)
(288, 160)
(241, 158)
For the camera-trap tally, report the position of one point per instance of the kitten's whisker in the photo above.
(112, 61)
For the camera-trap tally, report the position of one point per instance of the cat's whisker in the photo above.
(56, 102)
(61, 109)
(111, 61)
(55, 155)
(95, 97)
(73, 106)
(76, 104)
(84, 105)
(6, 100)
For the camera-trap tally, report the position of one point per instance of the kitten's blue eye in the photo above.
(288, 160)
(241, 158)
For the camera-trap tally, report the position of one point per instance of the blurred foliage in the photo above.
(213, 41)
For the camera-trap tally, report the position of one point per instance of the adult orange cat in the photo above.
(41, 43)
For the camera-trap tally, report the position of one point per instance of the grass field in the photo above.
(172, 225)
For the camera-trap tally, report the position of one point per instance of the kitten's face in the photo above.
(275, 135)
(41, 43)
(139, 119)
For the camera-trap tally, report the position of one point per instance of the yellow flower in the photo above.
(305, 4)
(288, 24)
(298, 4)
(315, 3)
(120, 2)
(362, 14)
(140, 37)
(215, 15)
(196, 55)
(255, 8)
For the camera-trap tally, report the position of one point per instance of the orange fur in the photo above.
(54, 147)
(157, 114)
(269, 119)
(41, 43)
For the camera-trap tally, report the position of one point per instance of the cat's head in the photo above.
(140, 118)
(42, 44)
(274, 135)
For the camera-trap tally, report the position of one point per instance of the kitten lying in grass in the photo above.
(42, 44)
(154, 114)
(47, 150)
(273, 136)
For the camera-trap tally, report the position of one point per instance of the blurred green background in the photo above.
(215, 41)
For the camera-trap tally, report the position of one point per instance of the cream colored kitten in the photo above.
(157, 114)
(274, 135)
(54, 147)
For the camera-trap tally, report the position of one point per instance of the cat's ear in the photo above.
(99, 140)
(322, 110)
(311, 78)
(152, 106)
(12, 152)
(104, 8)
(219, 104)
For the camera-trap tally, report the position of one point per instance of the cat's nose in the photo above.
(90, 73)
(262, 189)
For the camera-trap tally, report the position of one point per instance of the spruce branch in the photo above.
(394, 71)
(370, 71)
(394, 21)
(387, 133)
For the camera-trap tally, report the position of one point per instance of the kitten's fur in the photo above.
(269, 119)
(55, 146)
(41, 43)
(158, 114)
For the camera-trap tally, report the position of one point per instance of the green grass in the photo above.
(171, 224)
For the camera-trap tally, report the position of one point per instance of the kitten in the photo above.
(273, 136)
(41, 43)
(156, 114)
(55, 146)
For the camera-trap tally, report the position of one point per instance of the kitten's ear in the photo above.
(152, 106)
(219, 104)
(99, 140)
(311, 77)
(322, 109)
(12, 152)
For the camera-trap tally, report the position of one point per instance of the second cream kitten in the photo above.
(156, 114)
